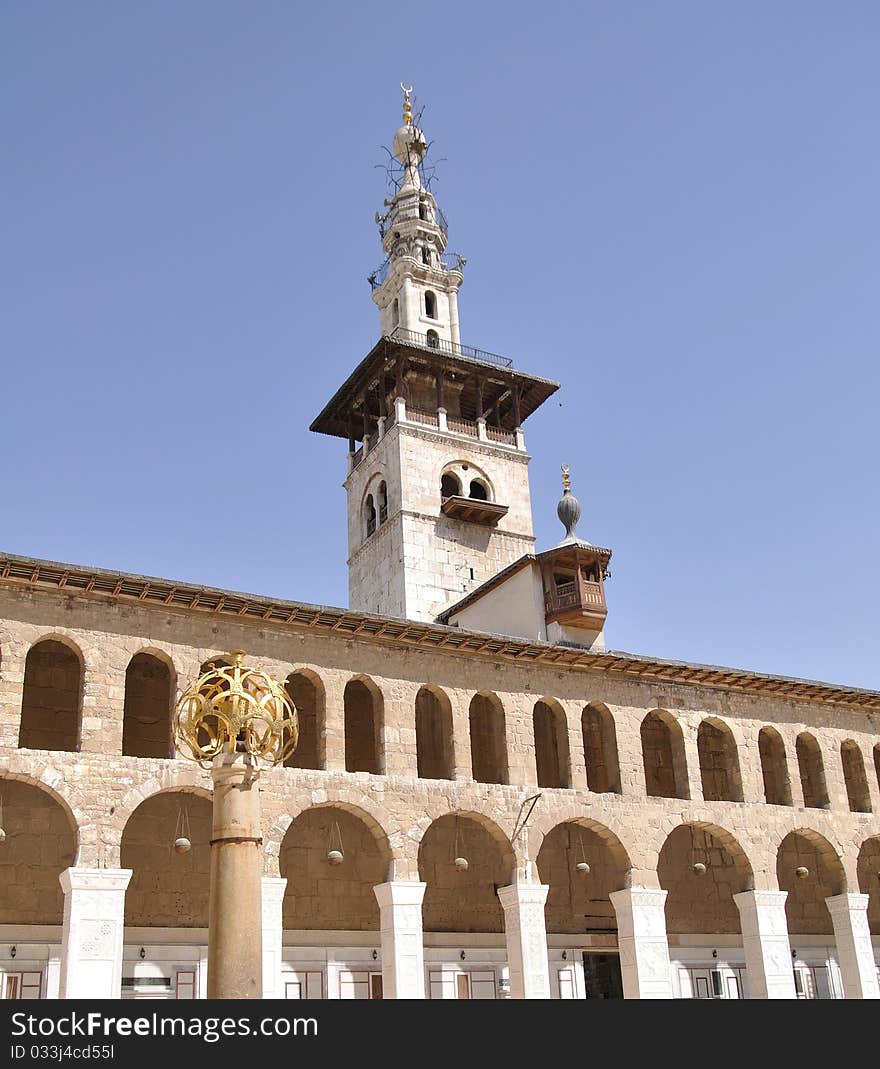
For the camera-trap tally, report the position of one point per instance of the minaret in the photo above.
(415, 289)
(438, 488)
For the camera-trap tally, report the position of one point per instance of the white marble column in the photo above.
(273, 927)
(91, 940)
(526, 936)
(855, 954)
(765, 943)
(641, 938)
(400, 925)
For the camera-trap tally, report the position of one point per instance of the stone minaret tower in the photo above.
(438, 489)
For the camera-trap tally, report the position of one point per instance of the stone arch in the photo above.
(168, 889)
(702, 866)
(51, 705)
(41, 841)
(488, 739)
(578, 900)
(430, 304)
(857, 793)
(550, 734)
(435, 758)
(306, 691)
(805, 908)
(877, 763)
(868, 869)
(774, 767)
(364, 726)
(719, 762)
(663, 756)
(812, 771)
(325, 891)
(148, 707)
(600, 749)
(464, 899)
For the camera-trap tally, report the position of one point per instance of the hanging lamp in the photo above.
(335, 853)
(182, 835)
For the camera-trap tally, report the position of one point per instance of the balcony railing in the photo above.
(441, 345)
(588, 597)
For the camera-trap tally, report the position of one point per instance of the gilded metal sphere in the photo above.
(699, 868)
(182, 845)
(802, 872)
(335, 857)
(235, 709)
(461, 863)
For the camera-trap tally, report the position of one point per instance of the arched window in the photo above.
(146, 717)
(854, 777)
(488, 744)
(551, 745)
(370, 515)
(663, 756)
(449, 485)
(395, 312)
(433, 339)
(382, 496)
(600, 749)
(433, 734)
(478, 490)
(430, 304)
(423, 210)
(50, 707)
(812, 772)
(307, 694)
(774, 767)
(363, 727)
(719, 764)
(426, 255)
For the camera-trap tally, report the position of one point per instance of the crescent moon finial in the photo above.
(407, 107)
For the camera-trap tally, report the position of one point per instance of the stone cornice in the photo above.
(31, 574)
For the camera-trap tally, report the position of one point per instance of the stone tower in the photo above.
(438, 489)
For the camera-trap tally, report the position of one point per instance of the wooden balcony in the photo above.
(472, 510)
(579, 603)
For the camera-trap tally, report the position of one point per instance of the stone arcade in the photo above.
(484, 801)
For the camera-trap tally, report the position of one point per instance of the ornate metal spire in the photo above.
(407, 107)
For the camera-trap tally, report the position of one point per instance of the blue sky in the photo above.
(670, 208)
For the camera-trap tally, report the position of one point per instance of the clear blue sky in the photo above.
(670, 208)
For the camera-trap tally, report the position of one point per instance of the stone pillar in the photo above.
(399, 410)
(273, 927)
(91, 940)
(526, 937)
(855, 954)
(400, 925)
(481, 430)
(235, 915)
(442, 425)
(765, 943)
(641, 937)
(453, 317)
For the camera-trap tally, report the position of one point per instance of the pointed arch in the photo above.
(811, 870)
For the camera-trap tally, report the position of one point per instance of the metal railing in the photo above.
(441, 345)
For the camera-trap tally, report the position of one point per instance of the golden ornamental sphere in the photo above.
(235, 709)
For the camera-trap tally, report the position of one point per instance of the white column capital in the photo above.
(766, 944)
(92, 933)
(526, 935)
(858, 969)
(400, 930)
(641, 939)
(399, 409)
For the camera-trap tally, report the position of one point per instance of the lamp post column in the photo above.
(235, 913)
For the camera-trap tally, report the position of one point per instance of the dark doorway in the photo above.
(602, 977)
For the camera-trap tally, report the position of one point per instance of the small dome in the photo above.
(569, 512)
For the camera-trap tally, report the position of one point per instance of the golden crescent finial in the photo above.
(566, 477)
(407, 107)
